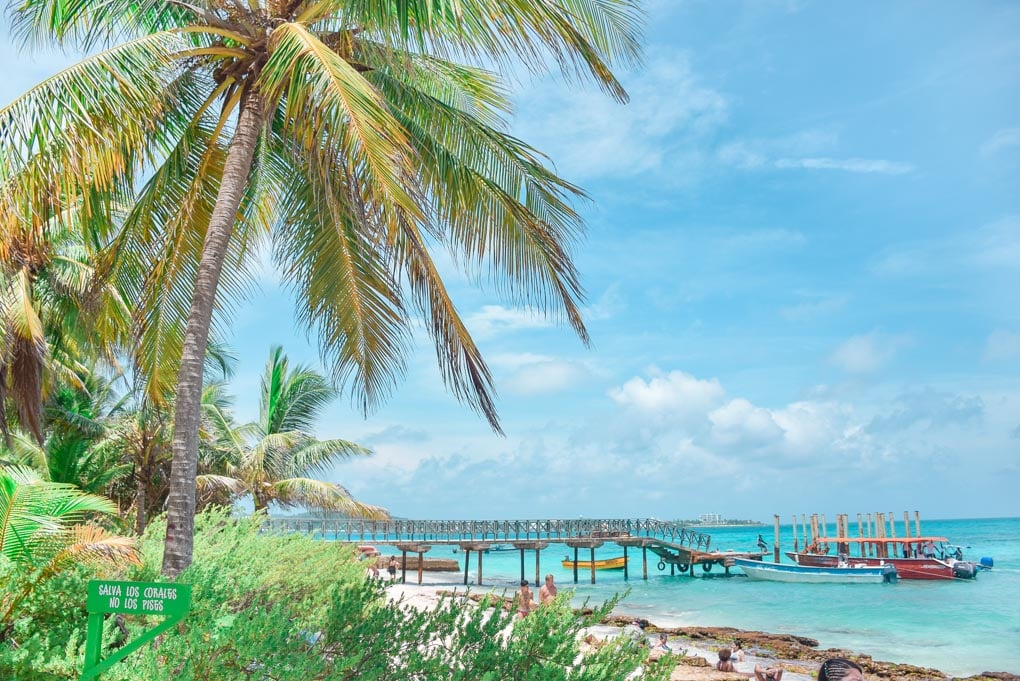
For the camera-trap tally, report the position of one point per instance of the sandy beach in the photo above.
(798, 655)
(437, 585)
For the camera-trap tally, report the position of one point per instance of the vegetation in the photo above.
(40, 538)
(352, 136)
(271, 460)
(292, 609)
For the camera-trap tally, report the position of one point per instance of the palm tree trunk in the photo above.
(180, 526)
(140, 486)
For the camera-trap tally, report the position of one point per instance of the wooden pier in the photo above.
(670, 542)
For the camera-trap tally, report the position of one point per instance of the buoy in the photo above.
(662, 565)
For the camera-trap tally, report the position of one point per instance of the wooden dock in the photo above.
(670, 542)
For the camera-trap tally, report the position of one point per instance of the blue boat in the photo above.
(803, 574)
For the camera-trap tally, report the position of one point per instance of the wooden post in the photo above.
(775, 544)
(479, 552)
(625, 568)
(644, 561)
(892, 525)
(421, 567)
(467, 564)
(814, 528)
(795, 548)
(883, 550)
(823, 527)
(672, 569)
(575, 565)
(860, 532)
(403, 568)
(917, 523)
(906, 524)
(538, 569)
(522, 565)
(592, 564)
(870, 532)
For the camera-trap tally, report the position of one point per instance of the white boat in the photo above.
(847, 574)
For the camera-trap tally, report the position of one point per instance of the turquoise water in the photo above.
(961, 627)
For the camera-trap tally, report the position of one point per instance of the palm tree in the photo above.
(56, 312)
(357, 135)
(39, 533)
(273, 460)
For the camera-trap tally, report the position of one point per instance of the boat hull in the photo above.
(617, 563)
(906, 568)
(801, 574)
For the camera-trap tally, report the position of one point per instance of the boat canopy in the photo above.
(881, 540)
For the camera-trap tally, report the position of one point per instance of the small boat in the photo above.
(617, 563)
(500, 547)
(913, 557)
(847, 574)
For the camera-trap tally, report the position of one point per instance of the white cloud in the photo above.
(817, 307)
(805, 150)
(675, 393)
(589, 135)
(1002, 139)
(1002, 346)
(739, 421)
(866, 353)
(546, 376)
(493, 320)
(850, 165)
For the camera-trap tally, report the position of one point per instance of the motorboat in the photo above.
(617, 563)
(913, 557)
(846, 573)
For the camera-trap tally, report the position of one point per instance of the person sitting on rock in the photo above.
(768, 673)
(725, 664)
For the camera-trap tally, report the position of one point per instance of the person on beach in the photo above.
(392, 568)
(767, 673)
(724, 664)
(737, 652)
(840, 669)
(548, 591)
(663, 644)
(526, 605)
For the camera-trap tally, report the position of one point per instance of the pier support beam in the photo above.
(626, 568)
(575, 565)
(467, 564)
(592, 564)
(644, 563)
(403, 567)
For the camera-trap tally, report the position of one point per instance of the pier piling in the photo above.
(775, 544)
(917, 523)
(626, 569)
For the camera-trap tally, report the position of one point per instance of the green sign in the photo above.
(129, 598)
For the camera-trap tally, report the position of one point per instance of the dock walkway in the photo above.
(673, 543)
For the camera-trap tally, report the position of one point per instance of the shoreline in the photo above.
(800, 655)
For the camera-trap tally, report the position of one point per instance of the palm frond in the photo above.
(328, 496)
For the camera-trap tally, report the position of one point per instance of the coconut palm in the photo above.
(56, 312)
(357, 135)
(274, 459)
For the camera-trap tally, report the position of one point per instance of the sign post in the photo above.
(169, 600)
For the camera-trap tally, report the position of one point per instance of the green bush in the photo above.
(288, 608)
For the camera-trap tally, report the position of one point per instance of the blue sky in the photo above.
(803, 267)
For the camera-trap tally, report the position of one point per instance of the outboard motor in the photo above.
(986, 563)
(964, 569)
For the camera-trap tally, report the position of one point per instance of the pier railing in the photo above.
(453, 531)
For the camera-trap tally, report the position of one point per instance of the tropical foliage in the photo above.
(41, 536)
(273, 460)
(354, 137)
(288, 608)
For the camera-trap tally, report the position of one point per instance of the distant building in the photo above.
(710, 519)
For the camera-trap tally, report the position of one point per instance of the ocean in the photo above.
(960, 627)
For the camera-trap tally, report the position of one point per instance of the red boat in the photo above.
(914, 557)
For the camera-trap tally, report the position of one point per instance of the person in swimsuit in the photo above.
(724, 664)
(768, 673)
(548, 591)
(526, 605)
